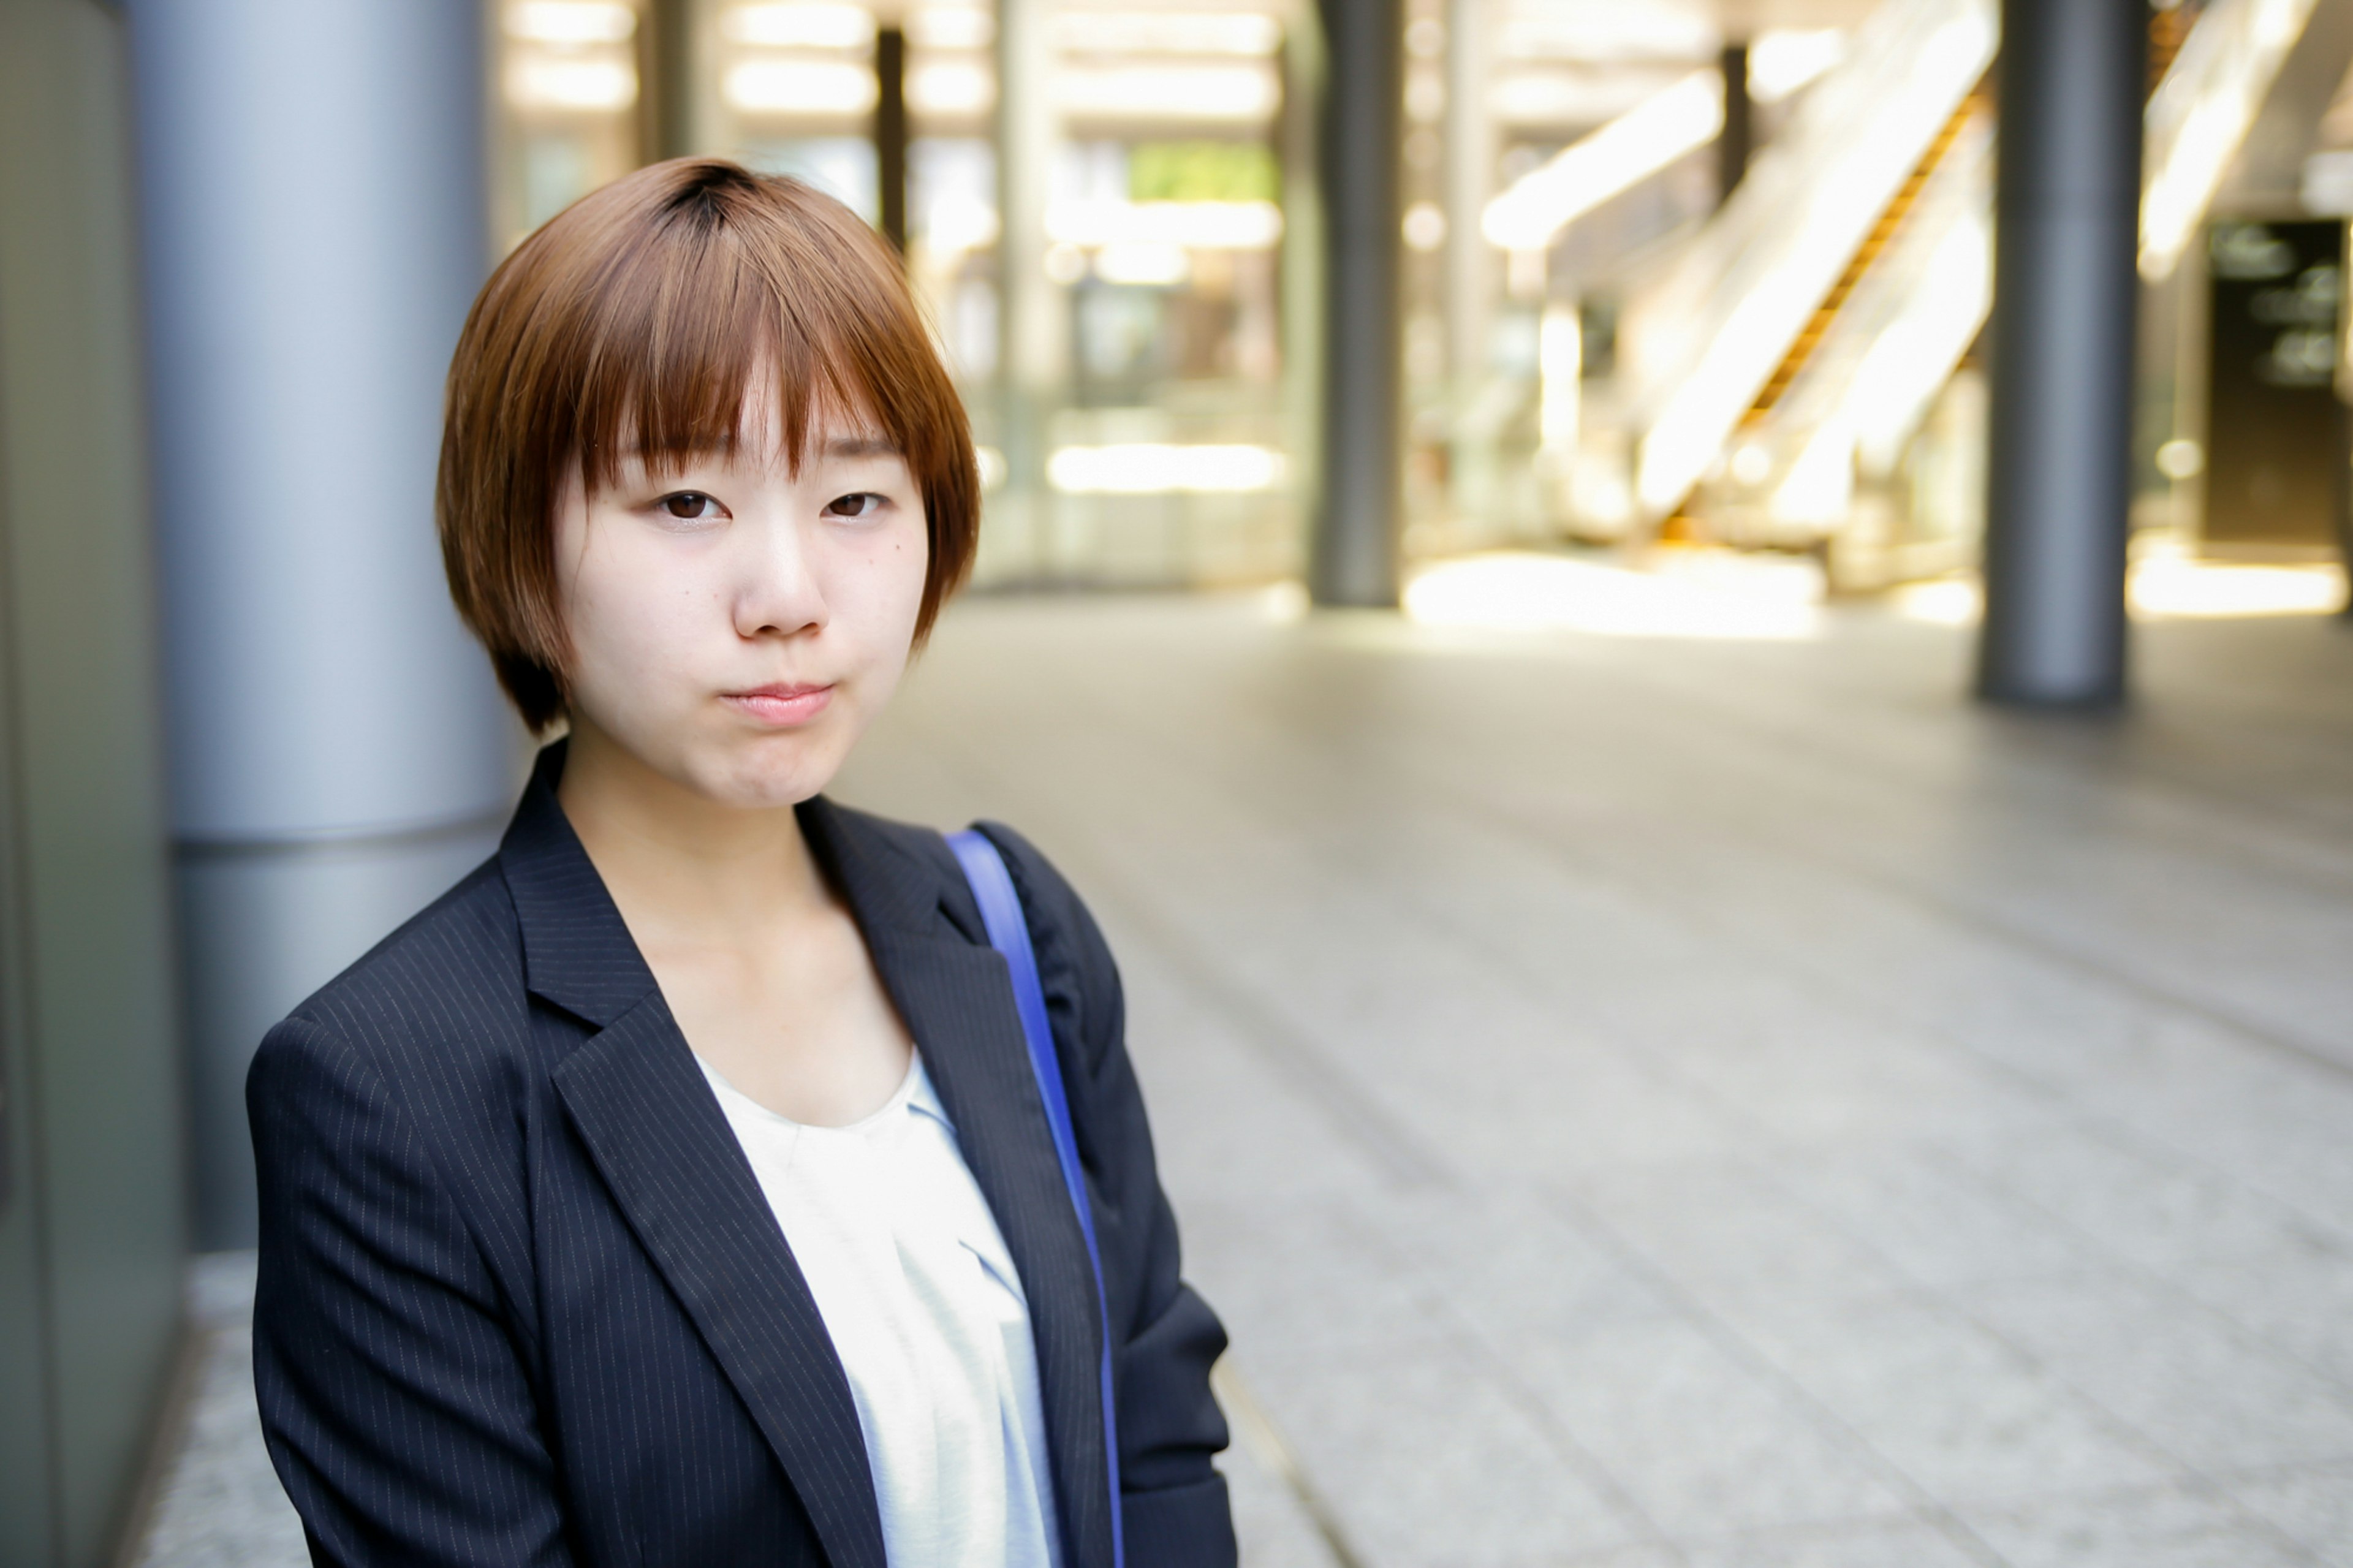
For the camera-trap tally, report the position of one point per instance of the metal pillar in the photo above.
(313, 231)
(890, 135)
(1353, 558)
(666, 106)
(1737, 144)
(2072, 81)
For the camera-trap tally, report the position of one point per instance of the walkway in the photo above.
(1732, 1104)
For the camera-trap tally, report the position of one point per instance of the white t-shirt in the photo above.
(928, 1316)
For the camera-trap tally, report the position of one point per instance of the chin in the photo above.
(776, 771)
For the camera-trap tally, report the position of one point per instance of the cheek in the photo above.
(888, 579)
(629, 612)
(911, 557)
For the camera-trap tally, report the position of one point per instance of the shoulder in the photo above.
(1075, 966)
(446, 985)
(884, 845)
(921, 855)
(1054, 906)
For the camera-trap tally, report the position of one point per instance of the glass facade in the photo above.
(1109, 215)
(1123, 349)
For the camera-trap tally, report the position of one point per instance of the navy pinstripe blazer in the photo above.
(521, 1300)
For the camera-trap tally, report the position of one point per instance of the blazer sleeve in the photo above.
(398, 1411)
(1172, 1500)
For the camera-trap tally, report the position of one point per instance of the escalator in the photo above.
(1876, 353)
(1809, 332)
(1739, 315)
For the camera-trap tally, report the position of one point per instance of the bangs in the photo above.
(701, 320)
(644, 321)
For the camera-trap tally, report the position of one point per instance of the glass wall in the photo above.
(1110, 219)
(1122, 342)
(567, 77)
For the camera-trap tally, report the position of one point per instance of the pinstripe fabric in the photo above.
(521, 1300)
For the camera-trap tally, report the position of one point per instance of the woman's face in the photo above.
(736, 625)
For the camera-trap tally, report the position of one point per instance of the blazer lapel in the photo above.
(955, 997)
(664, 1148)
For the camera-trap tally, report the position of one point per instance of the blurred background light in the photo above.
(2175, 586)
(950, 27)
(1143, 263)
(951, 88)
(1147, 468)
(800, 86)
(2199, 115)
(571, 21)
(1210, 225)
(1610, 31)
(1168, 32)
(2164, 585)
(804, 23)
(1425, 226)
(1629, 149)
(1167, 92)
(541, 81)
(1706, 595)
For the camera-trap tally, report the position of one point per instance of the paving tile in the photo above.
(1762, 989)
(1505, 1263)
(1725, 1227)
(221, 1506)
(2187, 1381)
(2137, 1530)
(1227, 1122)
(1279, 1274)
(1961, 1415)
(2312, 1507)
(1426, 1462)
(1627, 1557)
(2137, 1203)
(2193, 1083)
(1895, 1544)
(1271, 1526)
(2299, 1301)
(1694, 1438)
(1567, 1109)
(1937, 1224)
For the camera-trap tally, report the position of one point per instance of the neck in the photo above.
(676, 861)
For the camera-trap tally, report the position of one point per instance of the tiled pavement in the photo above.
(1722, 1104)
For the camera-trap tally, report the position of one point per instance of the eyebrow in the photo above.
(868, 446)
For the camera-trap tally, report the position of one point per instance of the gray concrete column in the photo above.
(93, 1194)
(2073, 83)
(1353, 558)
(314, 229)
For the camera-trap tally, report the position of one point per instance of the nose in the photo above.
(777, 593)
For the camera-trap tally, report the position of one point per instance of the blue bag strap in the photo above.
(1008, 934)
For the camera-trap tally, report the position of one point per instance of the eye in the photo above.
(861, 503)
(689, 506)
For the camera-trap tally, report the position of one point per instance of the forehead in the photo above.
(831, 428)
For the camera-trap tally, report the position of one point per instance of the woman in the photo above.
(677, 1189)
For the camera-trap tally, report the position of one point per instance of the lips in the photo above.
(780, 703)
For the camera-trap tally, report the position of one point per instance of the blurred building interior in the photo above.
(2011, 324)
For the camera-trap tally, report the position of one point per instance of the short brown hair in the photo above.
(645, 310)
